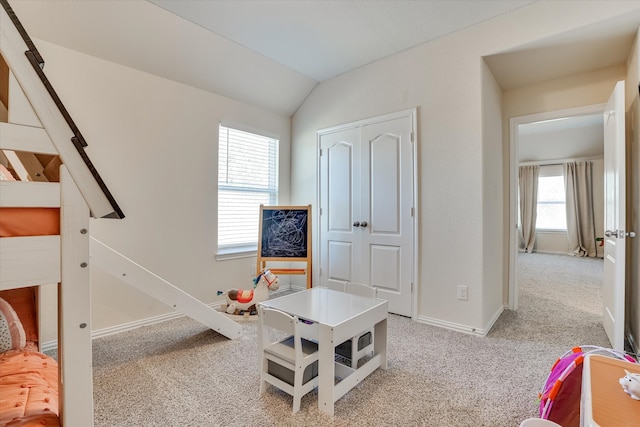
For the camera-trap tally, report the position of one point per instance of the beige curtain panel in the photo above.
(581, 228)
(528, 193)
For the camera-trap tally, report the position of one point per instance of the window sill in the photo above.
(550, 231)
(236, 253)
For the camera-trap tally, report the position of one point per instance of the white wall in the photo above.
(444, 80)
(154, 142)
(493, 198)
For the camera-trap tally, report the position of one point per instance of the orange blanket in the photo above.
(28, 389)
(29, 222)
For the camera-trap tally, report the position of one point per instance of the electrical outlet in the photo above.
(463, 292)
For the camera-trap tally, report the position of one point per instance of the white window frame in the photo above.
(267, 186)
(551, 171)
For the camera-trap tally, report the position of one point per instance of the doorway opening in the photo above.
(533, 141)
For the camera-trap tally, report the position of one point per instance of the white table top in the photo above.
(325, 306)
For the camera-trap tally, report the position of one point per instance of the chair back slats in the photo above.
(279, 320)
(360, 289)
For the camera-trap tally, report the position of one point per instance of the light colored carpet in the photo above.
(179, 373)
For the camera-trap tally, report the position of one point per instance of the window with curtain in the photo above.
(247, 178)
(551, 207)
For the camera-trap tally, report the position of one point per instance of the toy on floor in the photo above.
(560, 396)
(244, 301)
(631, 384)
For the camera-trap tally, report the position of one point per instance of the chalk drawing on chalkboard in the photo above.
(284, 233)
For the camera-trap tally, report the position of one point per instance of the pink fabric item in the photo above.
(12, 335)
(561, 395)
(5, 175)
(566, 404)
(23, 301)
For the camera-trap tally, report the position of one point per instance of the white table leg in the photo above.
(326, 370)
(380, 342)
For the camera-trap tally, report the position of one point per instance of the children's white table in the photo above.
(336, 317)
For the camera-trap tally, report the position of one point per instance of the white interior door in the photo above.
(614, 217)
(386, 210)
(366, 208)
(339, 176)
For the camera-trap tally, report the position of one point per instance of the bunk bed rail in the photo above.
(29, 260)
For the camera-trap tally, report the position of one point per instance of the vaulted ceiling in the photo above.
(272, 53)
(321, 39)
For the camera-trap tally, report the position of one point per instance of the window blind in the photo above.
(247, 178)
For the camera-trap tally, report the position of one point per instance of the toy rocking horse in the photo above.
(239, 300)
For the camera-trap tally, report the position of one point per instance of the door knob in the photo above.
(610, 233)
(363, 224)
(356, 224)
(631, 234)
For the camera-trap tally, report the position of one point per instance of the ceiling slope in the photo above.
(143, 36)
(266, 53)
(604, 44)
(322, 39)
(272, 53)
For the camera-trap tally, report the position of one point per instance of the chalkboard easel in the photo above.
(285, 236)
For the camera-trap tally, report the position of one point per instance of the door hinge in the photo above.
(321, 152)
(411, 136)
(412, 213)
(320, 211)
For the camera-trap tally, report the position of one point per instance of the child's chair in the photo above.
(289, 362)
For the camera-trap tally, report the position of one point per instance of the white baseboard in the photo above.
(493, 319)
(552, 252)
(481, 332)
(450, 325)
(112, 330)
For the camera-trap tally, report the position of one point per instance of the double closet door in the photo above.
(367, 207)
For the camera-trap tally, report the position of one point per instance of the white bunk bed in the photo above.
(37, 124)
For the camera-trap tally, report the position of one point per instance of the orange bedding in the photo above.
(16, 222)
(28, 389)
(28, 379)
(29, 222)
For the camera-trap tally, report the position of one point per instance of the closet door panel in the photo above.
(366, 207)
(387, 156)
(384, 180)
(339, 177)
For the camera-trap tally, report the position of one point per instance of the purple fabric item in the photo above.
(555, 374)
